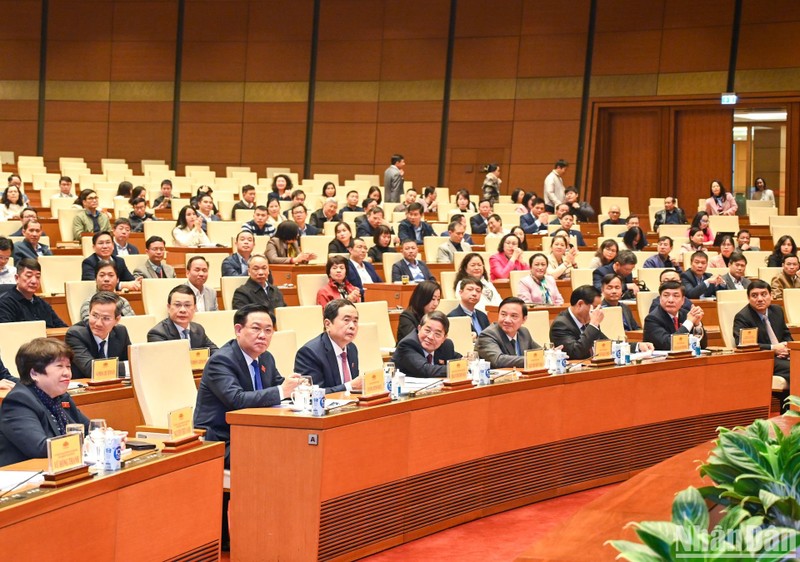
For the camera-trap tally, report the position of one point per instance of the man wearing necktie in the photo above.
(100, 336)
(470, 295)
(242, 374)
(331, 359)
(425, 353)
(154, 267)
(773, 333)
(670, 318)
(504, 343)
(414, 268)
(181, 306)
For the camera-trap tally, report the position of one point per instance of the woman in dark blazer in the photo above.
(39, 407)
(424, 299)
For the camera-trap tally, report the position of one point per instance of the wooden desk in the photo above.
(164, 508)
(176, 255)
(396, 294)
(283, 274)
(647, 496)
(418, 466)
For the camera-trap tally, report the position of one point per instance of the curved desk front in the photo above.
(357, 482)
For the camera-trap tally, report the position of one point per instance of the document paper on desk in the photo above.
(10, 479)
(415, 383)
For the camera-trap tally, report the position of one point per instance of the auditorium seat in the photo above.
(65, 215)
(228, 287)
(613, 230)
(723, 223)
(612, 325)
(726, 312)
(369, 355)
(160, 228)
(162, 379)
(446, 305)
(283, 348)
(768, 273)
(135, 261)
(13, 335)
(138, 326)
(317, 245)
(77, 292)
(218, 325)
(791, 306)
(448, 280)
(389, 259)
(155, 293)
(58, 269)
(643, 301)
(538, 324)
(431, 244)
(378, 313)
(760, 215)
(755, 260)
(306, 321)
(673, 230)
(461, 334)
(308, 285)
(622, 202)
(579, 277)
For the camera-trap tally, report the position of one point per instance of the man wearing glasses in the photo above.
(91, 220)
(181, 304)
(100, 337)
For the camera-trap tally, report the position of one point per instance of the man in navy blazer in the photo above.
(242, 374)
(415, 269)
(697, 282)
(331, 359)
(358, 270)
(30, 247)
(100, 337)
(413, 227)
(425, 353)
(470, 295)
(660, 324)
(536, 221)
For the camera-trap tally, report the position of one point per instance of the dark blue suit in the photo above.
(88, 266)
(406, 231)
(531, 224)
(25, 424)
(578, 237)
(23, 249)
(401, 268)
(600, 272)
(483, 320)
(409, 357)
(695, 288)
(227, 385)
(132, 250)
(317, 359)
(355, 279)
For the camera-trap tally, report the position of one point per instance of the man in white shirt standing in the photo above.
(554, 186)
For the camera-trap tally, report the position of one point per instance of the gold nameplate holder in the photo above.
(105, 374)
(680, 346)
(602, 354)
(534, 364)
(198, 358)
(65, 461)
(748, 340)
(181, 431)
(373, 389)
(457, 375)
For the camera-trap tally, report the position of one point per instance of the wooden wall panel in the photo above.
(281, 61)
(20, 60)
(552, 55)
(273, 144)
(697, 49)
(216, 144)
(626, 15)
(633, 156)
(626, 52)
(139, 140)
(689, 13)
(356, 60)
(703, 151)
(485, 57)
(140, 61)
(769, 45)
(400, 59)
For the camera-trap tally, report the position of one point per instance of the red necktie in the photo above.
(430, 359)
(676, 323)
(345, 369)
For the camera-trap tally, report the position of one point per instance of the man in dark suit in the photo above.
(567, 221)
(360, 272)
(328, 213)
(612, 293)
(470, 295)
(258, 289)
(154, 267)
(331, 359)
(413, 227)
(351, 205)
(20, 304)
(536, 221)
(773, 333)
(181, 304)
(480, 221)
(236, 264)
(242, 374)
(100, 337)
(669, 275)
(299, 215)
(504, 343)
(670, 214)
(577, 328)
(415, 269)
(623, 266)
(735, 279)
(30, 247)
(669, 318)
(425, 353)
(697, 282)
(103, 244)
(121, 233)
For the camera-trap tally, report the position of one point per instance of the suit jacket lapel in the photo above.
(244, 369)
(330, 357)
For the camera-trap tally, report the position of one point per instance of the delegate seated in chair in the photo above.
(181, 306)
(100, 337)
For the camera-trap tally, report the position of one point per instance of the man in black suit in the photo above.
(670, 214)
(351, 206)
(258, 289)
(415, 269)
(242, 374)
(235, 265)
(425, 353)
(773, 333)
(103, 244)
(359, 271)
(181, 304)
(122, 232)
(470, 295)
(669, 318)
(577, 328)
(328, 213)
(100, 337)
(697, 282)
(537, 220)
(480, 221)
(623, 266)
(567, 221)
(21, 304)
(331, 359)
(504, 343)
(30, 247)
(413, 227)
(299, 215)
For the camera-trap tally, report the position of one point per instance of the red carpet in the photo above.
(501, 537)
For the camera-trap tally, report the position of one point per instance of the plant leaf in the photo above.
(689, 508)
(634, 552)
(658, 535)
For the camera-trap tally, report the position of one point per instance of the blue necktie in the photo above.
(516, 344)
(475, 324)
(256, 376)
(101, 348)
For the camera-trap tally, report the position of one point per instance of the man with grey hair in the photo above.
(327, 213)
